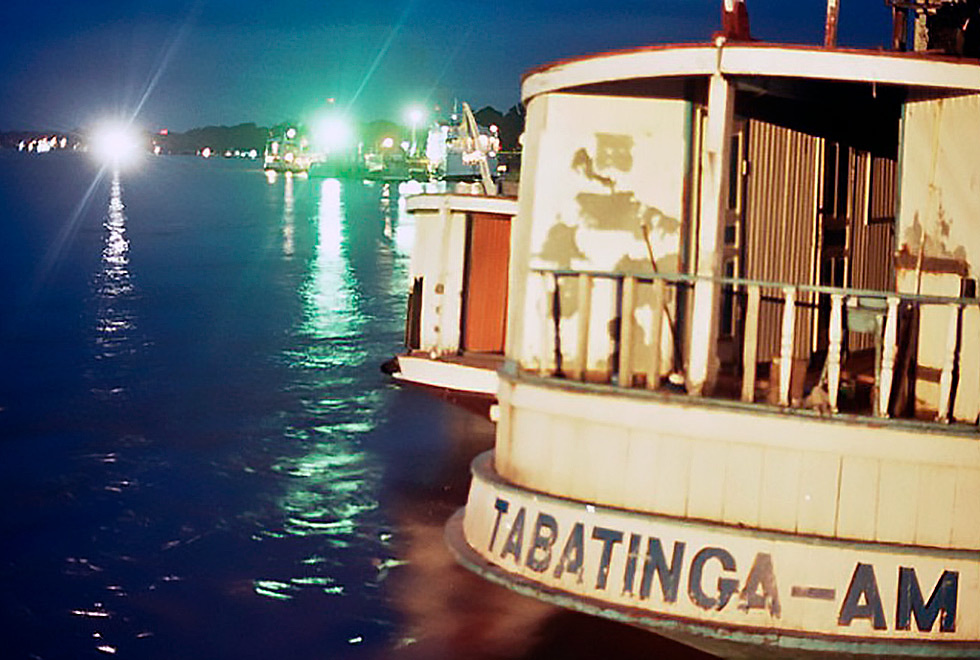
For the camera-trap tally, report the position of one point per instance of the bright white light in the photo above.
(332, 133)
(387, 143)
(405, 145)
(291, 133)
(116, 143)
(415, 116)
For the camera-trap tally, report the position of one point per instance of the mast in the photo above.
(830, 31)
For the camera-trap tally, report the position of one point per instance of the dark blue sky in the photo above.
(66, 64)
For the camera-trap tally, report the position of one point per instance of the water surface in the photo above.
(199, 456)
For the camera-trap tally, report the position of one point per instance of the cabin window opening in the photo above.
(413, 320)
(731, 235)
(836, 182)
(734, 170)
(728, 307)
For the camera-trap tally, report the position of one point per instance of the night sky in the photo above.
(179, 65)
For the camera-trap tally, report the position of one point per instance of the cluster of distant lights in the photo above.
(120, 144)
(44, 144)
(208, 152)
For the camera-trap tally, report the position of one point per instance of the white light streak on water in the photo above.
(288, 217)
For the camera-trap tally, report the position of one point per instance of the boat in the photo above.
(740, 390)
(287, 151)
(454, 334)
(462, 149)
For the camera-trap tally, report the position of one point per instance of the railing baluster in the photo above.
(834, 351)
(750, 345)
(584, 314)
(573, 361)
(656, 334)
(946, 380)
(787, 344)
(626, 332)
(549, 282)
(888, 352)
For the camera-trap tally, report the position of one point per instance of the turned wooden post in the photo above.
(584, 316)
(626, 332)
(888, 352)
(946, 379)
(787, 344)
(750, 345)
(656, 332)
(834, 350)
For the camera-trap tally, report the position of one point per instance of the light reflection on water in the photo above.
(216, 467)
(288, 216)
(116, 321)
(114, 279)
(331, 489)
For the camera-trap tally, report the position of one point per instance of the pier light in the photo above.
(290, 133)
(415, 116)
(388, 143)
(116, 143)
(332, 133)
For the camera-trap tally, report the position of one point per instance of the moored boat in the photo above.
(454, 334)
(741, 385)
(287, 151)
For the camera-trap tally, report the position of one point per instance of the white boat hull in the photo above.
(733, 592)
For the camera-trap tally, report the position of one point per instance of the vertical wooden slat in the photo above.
(584, 314)
(786, 345)
(750, 345)
(946, 379)
(836, 333)
(889, 350)
(781, 210)
(656, 332)
(626, 332)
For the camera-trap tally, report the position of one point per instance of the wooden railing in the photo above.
(889, 310)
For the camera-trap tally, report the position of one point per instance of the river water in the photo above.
(199, 456)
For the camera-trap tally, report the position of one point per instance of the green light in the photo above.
(332, 133)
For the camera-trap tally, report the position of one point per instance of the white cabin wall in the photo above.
(939, 217)
(940, 186)
(437, 257)
(594, 170)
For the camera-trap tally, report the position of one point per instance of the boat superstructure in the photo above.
(742, 380)
(287, 151)
(456, 319)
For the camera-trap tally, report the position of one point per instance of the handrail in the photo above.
(685, 278)
(894, 330)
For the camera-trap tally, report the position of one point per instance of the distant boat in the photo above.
(463, 150)
(287, 151)
(455, 326)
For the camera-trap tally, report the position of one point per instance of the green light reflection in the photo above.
(331, 483)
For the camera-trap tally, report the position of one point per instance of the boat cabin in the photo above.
(742, 380)
(457, 306)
